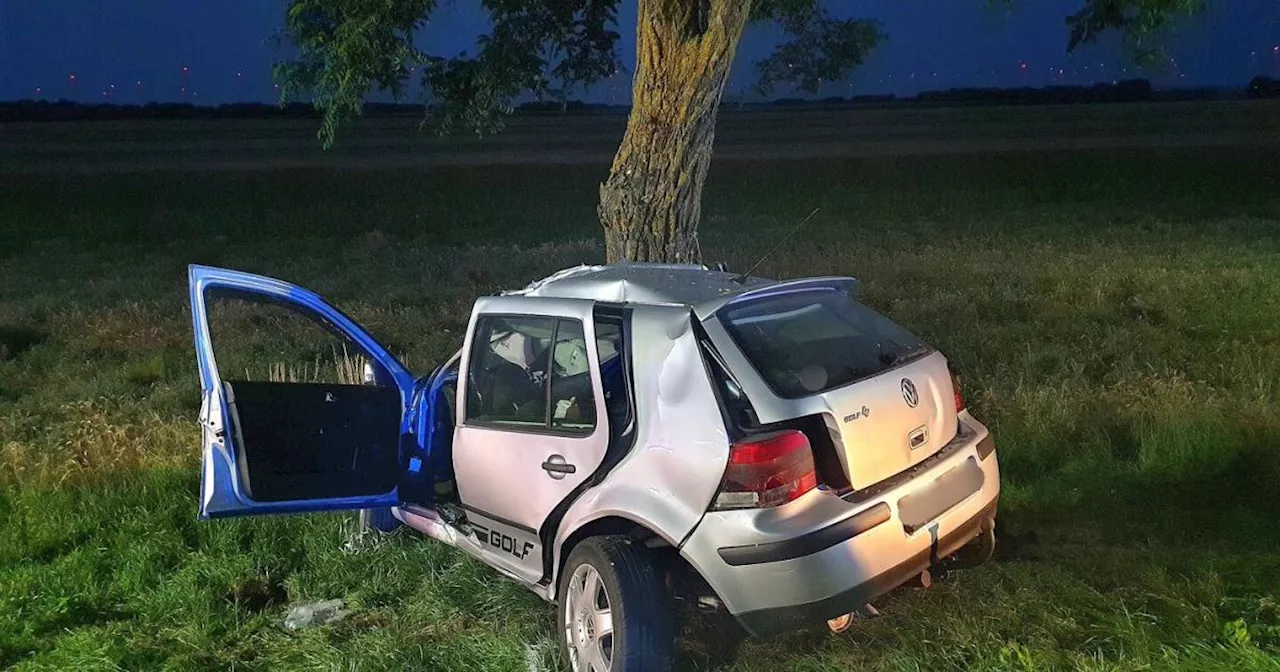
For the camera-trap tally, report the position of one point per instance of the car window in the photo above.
(531, 373)
(573, 405)
(259, 339)
(508, 371)
(613, 373)
(608, 339)
(806, 343)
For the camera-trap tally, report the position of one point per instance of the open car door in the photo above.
(271, 446)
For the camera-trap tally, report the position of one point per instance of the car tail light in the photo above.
(767, 471)
(955, 385)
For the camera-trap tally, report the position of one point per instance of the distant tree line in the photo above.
(65, 110)
(1127, 91)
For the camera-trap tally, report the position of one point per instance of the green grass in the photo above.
(1112, 317)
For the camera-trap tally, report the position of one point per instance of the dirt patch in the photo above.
(257, 594)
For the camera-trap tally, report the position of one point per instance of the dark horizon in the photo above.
(201, 52)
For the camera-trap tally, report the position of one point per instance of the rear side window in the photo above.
(613, 372)
(809, 342)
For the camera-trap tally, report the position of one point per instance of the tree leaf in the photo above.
(820, 49)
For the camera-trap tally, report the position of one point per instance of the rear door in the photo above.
(533, 421)
(279, 436)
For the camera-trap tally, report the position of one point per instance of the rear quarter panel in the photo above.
(668, 479)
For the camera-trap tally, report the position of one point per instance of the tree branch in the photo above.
(821, 48)
(1140, 22)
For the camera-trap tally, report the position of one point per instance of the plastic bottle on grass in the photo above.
(316, 613)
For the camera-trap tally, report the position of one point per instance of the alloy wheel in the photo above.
(588, 621)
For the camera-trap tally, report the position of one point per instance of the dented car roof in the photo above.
(696, 286)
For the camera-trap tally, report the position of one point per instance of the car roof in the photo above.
(682, 284)
(692, 285)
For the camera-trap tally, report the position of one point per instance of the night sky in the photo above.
(141, 47)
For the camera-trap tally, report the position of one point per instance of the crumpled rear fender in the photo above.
(669, 477)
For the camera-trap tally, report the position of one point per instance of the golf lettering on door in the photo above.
(503, 542)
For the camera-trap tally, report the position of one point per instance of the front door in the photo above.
(533, 427)
(287, 426)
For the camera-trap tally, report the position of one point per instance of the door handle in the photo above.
(557, 468)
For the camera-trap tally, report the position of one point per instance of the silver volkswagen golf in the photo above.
(624, 439)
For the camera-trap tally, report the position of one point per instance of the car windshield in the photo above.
(806, 343)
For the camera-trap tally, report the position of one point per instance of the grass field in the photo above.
(828, 132)
(1112, 315)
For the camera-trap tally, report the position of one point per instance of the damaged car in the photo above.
(621, 438)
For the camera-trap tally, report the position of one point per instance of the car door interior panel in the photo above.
(309, 440)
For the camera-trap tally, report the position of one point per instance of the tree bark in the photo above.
(652, 200)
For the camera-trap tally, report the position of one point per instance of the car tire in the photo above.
(621, 576)
(379, 519)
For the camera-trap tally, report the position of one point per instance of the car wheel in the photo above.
(379, 519)
(615, 613)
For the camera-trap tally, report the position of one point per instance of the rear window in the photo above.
(812, 341)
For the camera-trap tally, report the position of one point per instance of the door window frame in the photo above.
(385, 375)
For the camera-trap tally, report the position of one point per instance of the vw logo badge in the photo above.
(909, 393)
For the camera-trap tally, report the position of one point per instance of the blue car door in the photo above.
(280, 447)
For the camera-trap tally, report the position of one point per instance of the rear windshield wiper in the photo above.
(893, 358)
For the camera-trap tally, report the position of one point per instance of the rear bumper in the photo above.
(821, 556)
(793, 617)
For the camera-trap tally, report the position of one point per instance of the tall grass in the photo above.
(343, 368)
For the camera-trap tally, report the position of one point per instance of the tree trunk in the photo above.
(652, 200)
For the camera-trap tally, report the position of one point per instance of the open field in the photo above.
(1112, 314)
(402, 142)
